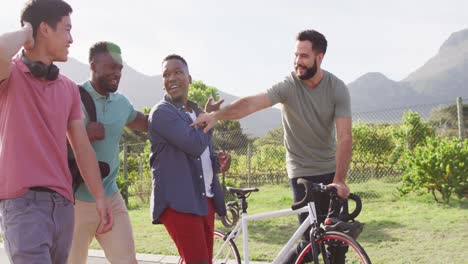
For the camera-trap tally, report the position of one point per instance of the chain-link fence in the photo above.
(135, 174)
(380, 140)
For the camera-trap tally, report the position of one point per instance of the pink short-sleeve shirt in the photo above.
(34, 116)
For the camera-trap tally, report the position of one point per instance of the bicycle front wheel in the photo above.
(335, 247)
(224, 253)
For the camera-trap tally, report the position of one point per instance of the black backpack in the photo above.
(103, 166)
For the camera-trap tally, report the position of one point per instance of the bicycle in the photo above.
(226, 251)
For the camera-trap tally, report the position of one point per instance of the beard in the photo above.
(108, 87)
(310, 72)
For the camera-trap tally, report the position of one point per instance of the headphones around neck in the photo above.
(40, 70)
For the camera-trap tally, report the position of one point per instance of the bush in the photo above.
(439, 166)
(138, 181)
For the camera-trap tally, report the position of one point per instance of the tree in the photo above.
(199, 92)
(440, 166)
(229, 136)
(414, 130)
(445, 119)
(373, 146)
(146, 110)
(275, 137)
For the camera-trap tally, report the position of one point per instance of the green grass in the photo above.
(408, 229)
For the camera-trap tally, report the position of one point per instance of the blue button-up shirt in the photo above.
(175, 160)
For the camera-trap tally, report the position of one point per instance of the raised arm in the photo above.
(88, 165)
(237, 110)
(10, 44)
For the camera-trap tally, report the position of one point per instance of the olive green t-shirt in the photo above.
(308, 117)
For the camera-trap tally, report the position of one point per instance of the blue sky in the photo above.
(243, 47)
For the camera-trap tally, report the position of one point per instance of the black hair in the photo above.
(175, 57)
(48, 11)
(103, 47)
(319, 43)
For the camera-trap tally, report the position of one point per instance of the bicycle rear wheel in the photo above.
(223, 255)
(339, 241)
(227, 254)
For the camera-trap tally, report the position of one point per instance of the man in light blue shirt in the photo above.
(113, 113)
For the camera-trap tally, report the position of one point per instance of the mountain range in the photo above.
(441, 79)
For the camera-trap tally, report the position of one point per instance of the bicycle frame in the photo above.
(242, 227)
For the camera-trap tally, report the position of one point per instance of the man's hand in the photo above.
(224, 161)
(29, 43)
(213, 106)
(106, 219)
(95, 131)
(207, 121)
(342, 189)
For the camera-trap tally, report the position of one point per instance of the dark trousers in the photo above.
(322, 202)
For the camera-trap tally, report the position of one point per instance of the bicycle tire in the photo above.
(354, 254)
(230, 253)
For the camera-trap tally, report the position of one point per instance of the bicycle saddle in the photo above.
(240, 192)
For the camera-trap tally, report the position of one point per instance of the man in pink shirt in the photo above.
(39, 109)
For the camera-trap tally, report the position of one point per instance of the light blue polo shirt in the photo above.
(114, 112)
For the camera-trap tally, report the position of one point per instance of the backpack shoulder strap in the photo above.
(88, 103)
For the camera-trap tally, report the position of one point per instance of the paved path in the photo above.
(97, 257)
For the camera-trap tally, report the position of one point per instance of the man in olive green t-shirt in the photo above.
(316, 107)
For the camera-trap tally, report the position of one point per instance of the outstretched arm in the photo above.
(237, 110)
(10, 44)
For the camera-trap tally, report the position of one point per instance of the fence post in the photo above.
(223, 180)
(408, 143)
(248, 164)
(125, 174)
(140, 170)
(461, 125)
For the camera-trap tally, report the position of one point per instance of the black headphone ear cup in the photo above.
(53, 72)
(38, 69)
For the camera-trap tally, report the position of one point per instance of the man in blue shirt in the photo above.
(113, 112)
(186, 191)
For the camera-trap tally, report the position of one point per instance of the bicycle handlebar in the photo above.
(311, 188)
(308, 193)
(350, 216)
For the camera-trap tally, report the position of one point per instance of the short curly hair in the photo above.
(103, 47)
(175, 57)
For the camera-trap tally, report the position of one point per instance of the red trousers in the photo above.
(192, 234)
